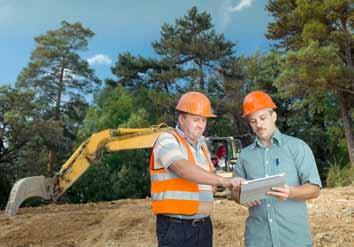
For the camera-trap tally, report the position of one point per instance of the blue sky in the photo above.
(120, 26)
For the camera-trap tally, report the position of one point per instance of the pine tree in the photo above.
(58, 76)
(190, 53)
(318, 36)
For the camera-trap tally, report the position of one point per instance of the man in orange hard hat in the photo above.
(182, 177)
(281, 218)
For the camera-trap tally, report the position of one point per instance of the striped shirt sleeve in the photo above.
(167, 151)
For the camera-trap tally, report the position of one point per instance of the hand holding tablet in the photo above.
(253, 190)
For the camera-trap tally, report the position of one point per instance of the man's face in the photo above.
(193, 126)
(263, 123)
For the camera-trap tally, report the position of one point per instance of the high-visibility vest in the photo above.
(172, 194)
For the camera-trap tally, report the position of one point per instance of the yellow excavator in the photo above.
(90, 151)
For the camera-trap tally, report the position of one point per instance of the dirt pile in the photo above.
(130, 223)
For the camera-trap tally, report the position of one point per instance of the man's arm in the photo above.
(302, 192)
(196, 174)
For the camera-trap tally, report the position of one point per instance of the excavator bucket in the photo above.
(38, 186)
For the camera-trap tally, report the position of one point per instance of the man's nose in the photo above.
(258, 124)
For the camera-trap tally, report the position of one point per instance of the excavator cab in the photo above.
(224, 153)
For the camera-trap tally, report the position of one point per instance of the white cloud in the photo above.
(99, 59)
(227, 8)
(241, 5)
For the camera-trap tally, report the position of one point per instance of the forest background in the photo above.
(58, 101)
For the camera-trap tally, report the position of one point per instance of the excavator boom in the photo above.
(90, 151)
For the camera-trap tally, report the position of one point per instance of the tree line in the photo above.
(308, 71)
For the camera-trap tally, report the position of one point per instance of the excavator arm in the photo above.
(90, 151)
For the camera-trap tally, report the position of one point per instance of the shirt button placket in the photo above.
(269, 203)
(266, 162)
(272, 222)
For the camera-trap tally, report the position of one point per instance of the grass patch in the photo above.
(340, 176)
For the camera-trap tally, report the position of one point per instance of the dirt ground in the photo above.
(130, 223)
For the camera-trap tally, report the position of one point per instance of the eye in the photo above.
(263, 117)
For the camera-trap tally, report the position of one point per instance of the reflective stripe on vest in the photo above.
(174, 195)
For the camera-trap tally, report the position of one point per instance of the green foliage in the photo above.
(190, 53)
(117, 175)
(307, 81)
(60, 80)
(317, 70)
(314, 30)
(296, 22)
(340, 176)
(313, 70)
(220, 127)
(159, 104)
(17, 112)
(55, 68)
(310, 77)
(17, 126)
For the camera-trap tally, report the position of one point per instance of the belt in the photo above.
(193, 222)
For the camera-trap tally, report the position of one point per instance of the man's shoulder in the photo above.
(166, 135)
(165, 138)
(248, 149)
(292, 140)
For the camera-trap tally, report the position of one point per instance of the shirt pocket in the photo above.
(253, 170)
(285, 164)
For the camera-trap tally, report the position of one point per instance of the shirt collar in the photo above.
(181, 133)
(276, 139)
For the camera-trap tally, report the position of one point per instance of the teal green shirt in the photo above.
(278, 223)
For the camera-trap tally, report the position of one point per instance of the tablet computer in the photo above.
(257, 189)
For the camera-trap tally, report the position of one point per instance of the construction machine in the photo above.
(89, 152)
(232, 147)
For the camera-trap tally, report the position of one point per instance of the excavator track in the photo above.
(38, 186)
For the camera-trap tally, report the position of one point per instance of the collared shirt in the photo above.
(278, 223)
(168, 150)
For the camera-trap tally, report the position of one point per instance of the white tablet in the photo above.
(256, 189)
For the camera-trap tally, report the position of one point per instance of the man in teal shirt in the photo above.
(280, 220)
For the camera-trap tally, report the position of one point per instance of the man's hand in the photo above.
(235, 195)
(253, 203)
(231, 183)
(282, 193)
(236, 183)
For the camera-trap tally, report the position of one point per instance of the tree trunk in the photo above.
(52, 151)
(51, 160)
(60, 89)
(345, 105)
(201, 79)
(344, 108)
(165, 84)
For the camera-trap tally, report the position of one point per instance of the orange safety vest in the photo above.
(172, 194)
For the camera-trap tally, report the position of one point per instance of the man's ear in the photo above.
(274, 116)
(181, 117)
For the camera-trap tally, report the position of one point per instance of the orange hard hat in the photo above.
(195, 103)
(255, 101)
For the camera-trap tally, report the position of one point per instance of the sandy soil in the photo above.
(130, 223)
